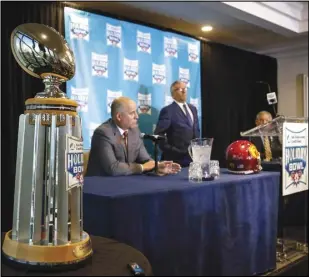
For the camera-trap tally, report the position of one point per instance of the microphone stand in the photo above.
(155, 171)
(275, 112)
(155, 139)
(156, 155)
(269, 91)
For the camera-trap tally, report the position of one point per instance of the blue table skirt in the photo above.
(223, 227)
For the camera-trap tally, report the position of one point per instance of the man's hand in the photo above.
(148, 165)
(168, 167)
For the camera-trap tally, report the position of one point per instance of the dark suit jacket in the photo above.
(108, 154)
(275, 145)
(174, 123)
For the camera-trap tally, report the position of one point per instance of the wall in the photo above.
(292, 60)
(289, 66)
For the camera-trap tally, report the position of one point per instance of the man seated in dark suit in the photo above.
(179, 122)
(116, 146)
(270, 148)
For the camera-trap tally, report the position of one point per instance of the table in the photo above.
(110, 258)
(222, 227)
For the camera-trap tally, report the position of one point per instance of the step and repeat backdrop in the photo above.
(118, 58)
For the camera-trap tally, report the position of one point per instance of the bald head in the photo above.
(123, 112)
(119, 105)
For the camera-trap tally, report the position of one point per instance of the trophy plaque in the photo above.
(47, 218)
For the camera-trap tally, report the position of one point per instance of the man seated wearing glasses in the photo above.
(269, 147)
(179, 122)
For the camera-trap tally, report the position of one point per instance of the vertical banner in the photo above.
(117, 58)
(295, 158)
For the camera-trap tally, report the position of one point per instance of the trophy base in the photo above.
(46, 256)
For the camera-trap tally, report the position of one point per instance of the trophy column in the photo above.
(47, 208)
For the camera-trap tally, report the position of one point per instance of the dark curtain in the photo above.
(17, 86)
(231, 96)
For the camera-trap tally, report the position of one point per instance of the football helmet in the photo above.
(243, 158)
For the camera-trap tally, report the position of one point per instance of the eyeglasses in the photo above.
(181, 89)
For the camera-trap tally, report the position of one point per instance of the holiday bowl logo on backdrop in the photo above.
(143, 41)
(193, 55)
(144, 103)
(113, 35)
(158, 74)
(170, 47)
(184, 76)
(194, 102)
(111, 96)
(168, 100)
(80, 95)
(99, 65)
(79, 27)
(130, 70)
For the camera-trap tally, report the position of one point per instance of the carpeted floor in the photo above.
(296, 262)
(294, 266)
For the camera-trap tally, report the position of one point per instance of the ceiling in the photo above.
(238, 29)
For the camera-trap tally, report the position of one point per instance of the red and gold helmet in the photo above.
(243, 158)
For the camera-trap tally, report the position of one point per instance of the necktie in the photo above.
(268, 154)
(188, 115)
(125, 139)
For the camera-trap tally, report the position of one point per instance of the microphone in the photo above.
(271, 96)
(151, 137)
(155, 139)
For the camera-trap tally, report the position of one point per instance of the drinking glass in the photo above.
(214, 169)
(195, 172)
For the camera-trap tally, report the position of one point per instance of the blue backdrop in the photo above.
(117, 58)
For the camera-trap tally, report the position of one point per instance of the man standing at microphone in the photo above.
(116, 146)
(179, 121)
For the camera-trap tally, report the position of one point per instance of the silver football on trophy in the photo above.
(43, 53)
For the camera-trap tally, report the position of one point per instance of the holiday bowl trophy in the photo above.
(47, 218)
